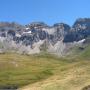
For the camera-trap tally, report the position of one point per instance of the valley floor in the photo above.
(43, 72)
(74, 76)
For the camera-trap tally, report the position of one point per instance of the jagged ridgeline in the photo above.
(39, 37)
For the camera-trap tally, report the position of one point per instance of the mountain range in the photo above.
(38, 37)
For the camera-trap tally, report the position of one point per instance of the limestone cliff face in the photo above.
(38, 36)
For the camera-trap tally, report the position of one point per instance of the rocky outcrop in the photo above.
(80, 30)
(35, 37)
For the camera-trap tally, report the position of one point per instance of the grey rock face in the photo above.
(33, 36)
(80, 30)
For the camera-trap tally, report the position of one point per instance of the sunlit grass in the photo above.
(18, 70)
(44, 71)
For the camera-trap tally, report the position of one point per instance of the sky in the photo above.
(48, 11)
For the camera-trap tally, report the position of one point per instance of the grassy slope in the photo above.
(19, 70)
(74, 75)
(44, 72)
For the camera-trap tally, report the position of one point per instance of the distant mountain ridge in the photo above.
(38, 36)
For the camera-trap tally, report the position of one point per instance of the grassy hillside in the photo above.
(19, 70)
(73, 74)
(44, 72)
(73, 77)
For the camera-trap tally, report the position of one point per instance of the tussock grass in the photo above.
(44, 72)
(18, 70)
(69, 74)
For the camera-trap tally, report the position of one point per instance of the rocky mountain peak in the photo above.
(82, 22)
(37, 25)
(62, 26)
(36, 34)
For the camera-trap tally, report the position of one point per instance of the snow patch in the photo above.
(29, 32)
(27, 28)
(80, 41)
(18, 35)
